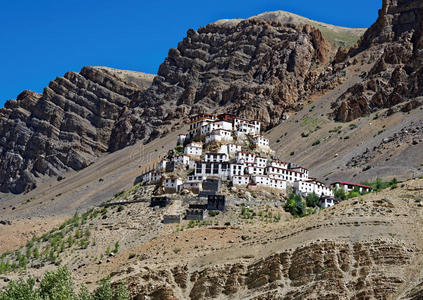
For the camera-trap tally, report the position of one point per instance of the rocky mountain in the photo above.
(262, 68)
(294, 78)
(339, 36)
(268, 67)
(255, 68)
(395, 45)
(66, 127)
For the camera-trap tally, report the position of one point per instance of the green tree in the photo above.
(295, 205)
(312, 200)
(58, 285)
(378, 185)
(104, 291)
(20, 290)
(340, 194)
(179, 150)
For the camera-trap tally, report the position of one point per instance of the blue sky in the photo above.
(40, 40)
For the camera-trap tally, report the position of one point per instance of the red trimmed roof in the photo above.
(351, 183)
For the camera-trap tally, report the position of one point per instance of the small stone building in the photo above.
(160, 201)
(195, 214)
(216, 202)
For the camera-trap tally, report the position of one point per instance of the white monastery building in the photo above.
(194, 148)
(172, 184)
(312, 186)
(235, 151)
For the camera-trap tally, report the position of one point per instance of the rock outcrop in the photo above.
(395, 44)
(321, 270)
(254, 68)
(66, 127)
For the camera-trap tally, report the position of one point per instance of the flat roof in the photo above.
(275, 167)
(351, 183)
(299, 168)
(249, 153)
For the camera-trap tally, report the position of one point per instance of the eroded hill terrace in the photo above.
(364, 247)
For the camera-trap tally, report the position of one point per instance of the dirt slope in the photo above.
(386, 143)
(368, 247)
(111, 174)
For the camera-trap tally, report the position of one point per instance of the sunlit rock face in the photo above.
(395, 45)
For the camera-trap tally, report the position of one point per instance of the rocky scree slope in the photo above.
(66, 127)
(395, 45)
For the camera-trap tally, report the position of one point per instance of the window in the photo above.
(208, 168)
(199, 169)
(215, 169)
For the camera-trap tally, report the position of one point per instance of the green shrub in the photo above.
(104, 291)
(213, 213)
(295, 205)
(353, 194)
(84, 293)
(21, 290)
(57, 285)
(191, 224)
(340, 195)
(312, 200)
(316, 143)
(122, 292)
(116, 249)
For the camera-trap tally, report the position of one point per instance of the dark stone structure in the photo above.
(211, 185)
(170, 167)
(198, 206)
(160, 201)
(195, 214)
(172, 219)
(216, 202)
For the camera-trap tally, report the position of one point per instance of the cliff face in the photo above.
(256, 69)
(394, 43)
(321, 270)
(66, 127)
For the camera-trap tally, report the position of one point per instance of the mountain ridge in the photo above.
(66, 127)
(257, 69)
(341, 36)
